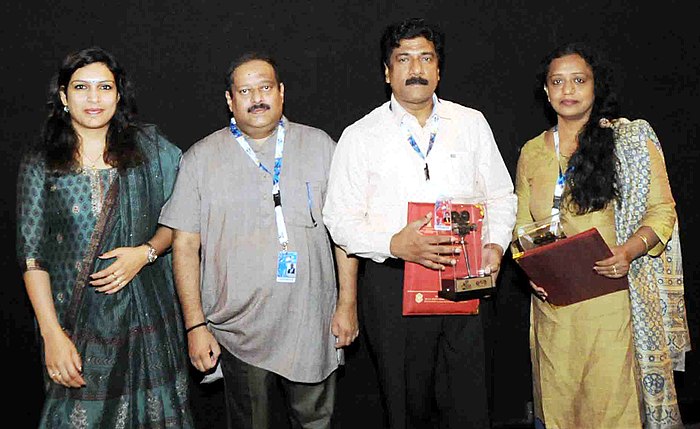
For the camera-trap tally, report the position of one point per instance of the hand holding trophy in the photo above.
(466, 279)
(461, 227)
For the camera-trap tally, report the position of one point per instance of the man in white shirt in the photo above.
(417, 147)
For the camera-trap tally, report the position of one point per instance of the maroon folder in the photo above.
(564, 268)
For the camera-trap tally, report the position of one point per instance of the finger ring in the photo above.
(615, 269)
(119, 279)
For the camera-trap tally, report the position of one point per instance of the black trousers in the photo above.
(431, 369)
(249, 391)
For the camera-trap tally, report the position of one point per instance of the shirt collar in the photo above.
(399, 113)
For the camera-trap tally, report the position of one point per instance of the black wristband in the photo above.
(191, 328)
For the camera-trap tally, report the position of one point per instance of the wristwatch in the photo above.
(152, 255)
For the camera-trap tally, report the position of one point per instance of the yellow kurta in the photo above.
(582, 354)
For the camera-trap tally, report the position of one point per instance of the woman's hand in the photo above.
(63, 362)
(128, 263)
(539, 292)
(615, 266)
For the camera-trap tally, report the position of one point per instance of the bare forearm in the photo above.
(345, 325)
(186, 269)
(347, 277)
(63, 362)
(38, 285)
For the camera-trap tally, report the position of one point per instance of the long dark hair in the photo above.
(591, 178)
(59, 142)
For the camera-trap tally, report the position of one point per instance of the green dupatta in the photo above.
(132, 343)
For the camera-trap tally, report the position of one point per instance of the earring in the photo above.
(66, 109)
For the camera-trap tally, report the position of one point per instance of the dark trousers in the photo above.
(431, 369)
(249, 391)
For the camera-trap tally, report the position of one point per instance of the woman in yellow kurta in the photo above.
(585, 374)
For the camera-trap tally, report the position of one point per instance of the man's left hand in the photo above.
(491, 257)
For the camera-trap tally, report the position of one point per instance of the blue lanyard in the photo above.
(279, 149)
(412, 141)
(277, 169)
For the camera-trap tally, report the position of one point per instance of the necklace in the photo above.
(92, 163)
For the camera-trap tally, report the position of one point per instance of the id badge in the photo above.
(286, 267)
(442, 217)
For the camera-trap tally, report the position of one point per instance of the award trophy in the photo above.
(466, 279)
(536, 234)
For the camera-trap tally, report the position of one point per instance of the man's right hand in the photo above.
(203, 349)
(428, 250)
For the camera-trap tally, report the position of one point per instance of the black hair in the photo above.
(591, 178)
(247, 57)
(59, 141)
(410, 29)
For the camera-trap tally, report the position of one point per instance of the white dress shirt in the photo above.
(375, 172)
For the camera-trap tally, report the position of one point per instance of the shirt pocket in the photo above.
(303, 204)
(457, 170)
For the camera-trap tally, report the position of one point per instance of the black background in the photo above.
(176, 52)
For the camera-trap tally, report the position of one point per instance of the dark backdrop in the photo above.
(176, 53)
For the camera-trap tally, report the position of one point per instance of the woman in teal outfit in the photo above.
(88, 197)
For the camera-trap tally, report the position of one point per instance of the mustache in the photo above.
(259, 106)
(416, 80)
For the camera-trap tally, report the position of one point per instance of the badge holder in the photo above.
(467, 279)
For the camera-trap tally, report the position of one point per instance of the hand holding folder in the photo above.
(422, 285)
(564, 268)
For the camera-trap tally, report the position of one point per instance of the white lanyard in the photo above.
(561, 180)
(279, 149)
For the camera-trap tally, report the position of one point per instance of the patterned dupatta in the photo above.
(105, 222)
(656, 283)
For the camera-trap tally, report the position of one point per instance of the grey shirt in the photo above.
(222, 195)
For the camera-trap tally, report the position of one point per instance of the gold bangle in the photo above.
(644, 239)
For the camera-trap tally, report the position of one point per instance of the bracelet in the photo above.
(644, 239)
(191, 328)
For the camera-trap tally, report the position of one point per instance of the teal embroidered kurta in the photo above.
(132, 342)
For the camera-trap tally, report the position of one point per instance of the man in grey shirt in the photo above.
(253, 260)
